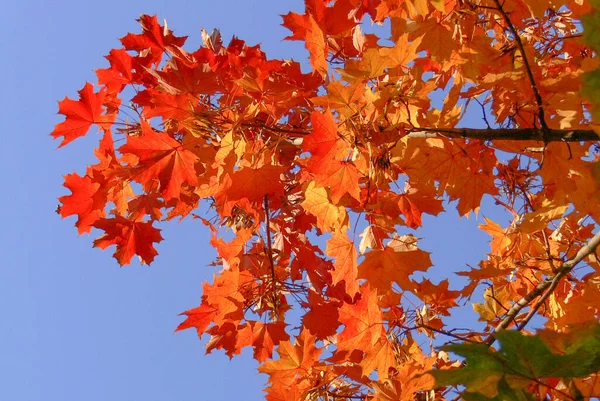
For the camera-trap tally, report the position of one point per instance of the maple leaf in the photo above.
(340, 95)
(119, 74)
(87, 201)
(322, 318)
(154, 38)
(362, 322)
(324, 143)
(317, 47)
(329, 217)
(342, 178)
(262, 337)
(492, 306)
(130, 237)
(438, 296)
(145, 205)
(394, 263)
(226, 294)
(381, 356)
(81, 114)
(199, 318)
(182, 78)
(343, 250)
(413, 203)
(403, 52)
(501, 241)
(230, 251)
(465, 172)
(294, 360)
(223, 337)
(254, 183)
(436, 38)
(158, 156)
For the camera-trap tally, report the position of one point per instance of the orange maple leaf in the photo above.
(223, 337)
(362, 323)
(395, 263)
(342, 178)
(381, 356)
(329, 217)
(438, 296)
(262, 337)
(295, 361)
(227, 294)
(254, 183)
(346, 269)
(317, 47)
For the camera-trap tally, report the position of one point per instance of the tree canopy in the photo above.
(317, 180)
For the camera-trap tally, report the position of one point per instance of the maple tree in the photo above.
(312, 175)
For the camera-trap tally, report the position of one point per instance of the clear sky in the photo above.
(74, 326)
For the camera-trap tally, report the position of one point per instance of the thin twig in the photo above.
(536, 92)
(268, 229)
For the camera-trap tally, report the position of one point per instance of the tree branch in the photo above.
(508, 134)
(484, 134)
(545, 287)
(536, 92)
(269, 246)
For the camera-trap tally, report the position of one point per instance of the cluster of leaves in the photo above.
(523, 359)
(295, 164)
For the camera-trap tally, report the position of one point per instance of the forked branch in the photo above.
(546, 288)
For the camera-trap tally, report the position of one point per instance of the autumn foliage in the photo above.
(316, 179)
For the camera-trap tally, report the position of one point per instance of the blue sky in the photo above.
(74, 325)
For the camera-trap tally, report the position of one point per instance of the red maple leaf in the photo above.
(81, 114)
(154, 38)
(120, 72)
(322, 317)
(87, 201)
(262, 337)
(199, 318)
(130, 237)
(160, 156)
